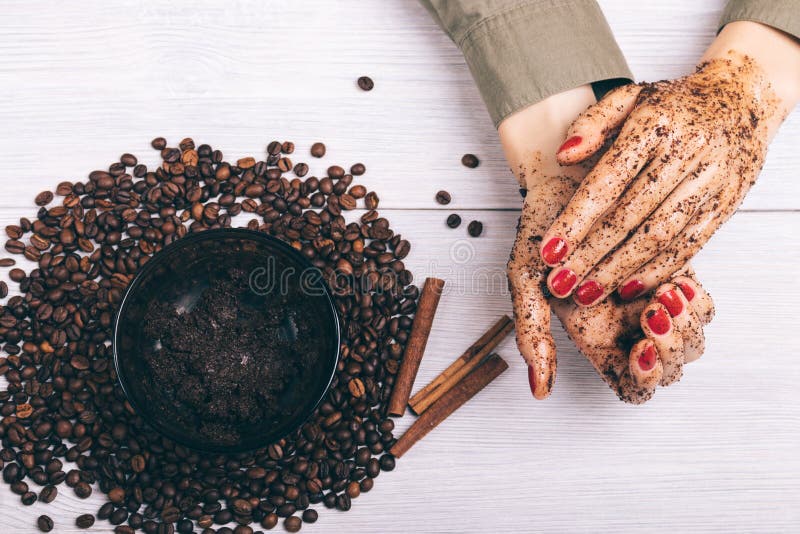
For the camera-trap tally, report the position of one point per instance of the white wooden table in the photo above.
(81, 83)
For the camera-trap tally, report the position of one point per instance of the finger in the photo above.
(684, 318)
(701, 302)
(659, 328)
(525, 275)
(589, 131)
(645, 367)
(643, 240)
(599, 191)
(685, 245)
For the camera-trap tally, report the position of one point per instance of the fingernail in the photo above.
(688, 292)
(672, 302)
(562, 282)
(554, 251)
(648, 358)
(532, 379)
(573, 141)
(658, 321)
(631, 290)
(588, 292)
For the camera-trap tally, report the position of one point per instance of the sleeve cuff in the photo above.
(533, 50)
(783, 15)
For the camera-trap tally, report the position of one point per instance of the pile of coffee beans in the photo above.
(63, 402)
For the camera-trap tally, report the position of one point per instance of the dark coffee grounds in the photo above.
(227, 361)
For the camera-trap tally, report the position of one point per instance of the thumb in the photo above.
(531, 310)
(590, 130)
(526, 276)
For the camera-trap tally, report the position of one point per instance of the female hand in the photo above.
(634, 346)
(687, 153)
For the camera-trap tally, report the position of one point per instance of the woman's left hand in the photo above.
(687, 153)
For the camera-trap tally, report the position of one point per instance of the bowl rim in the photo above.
(164, 429)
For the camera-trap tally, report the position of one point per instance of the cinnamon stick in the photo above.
(415, 347)
(465, 363)
(467, 388)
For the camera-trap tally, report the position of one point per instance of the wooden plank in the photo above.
(92, 82)
(714, 453)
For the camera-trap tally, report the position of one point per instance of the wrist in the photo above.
(531, 136)
(777, 53)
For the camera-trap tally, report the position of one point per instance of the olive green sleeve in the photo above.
(521, 52)
(781, 14)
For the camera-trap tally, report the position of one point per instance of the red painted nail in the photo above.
(562, 282)
(631, 290)
(588, 292)
(672, 302)
(658, 321)
(688, 292)
(573, 141)
(554, 251)
(648, 358)
(532, 379)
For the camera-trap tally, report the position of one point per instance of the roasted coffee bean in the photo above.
(269, 521)
(45, 523)
(44, 198)
(475, 228)
(335, 172)
(301, 169)
(84, 521)
(470, 160)
(318, 150)
(48, 494)
(358, 169)
(287, 147)
(443, 197)
(159, 143)
(310, 516)
(292, 524)
(371, 200)
(454, 220)
(28, 498)
(82, 490)
(365, 83)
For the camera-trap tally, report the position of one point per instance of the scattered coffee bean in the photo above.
(318, 150)
(310, 516)
(159, 143)
(7, 262)
(475, 228)
(287, 147)
(45, 523)
(443, 197)
(470, 160)
(84, 521)
(300, 170)
(366, 83)
(48, 494)
(293, 524)
(358, 169)
(454, 220)
(44, 198)
(269, 521)
(82, 490)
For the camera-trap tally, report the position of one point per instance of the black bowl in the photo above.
(177, 276)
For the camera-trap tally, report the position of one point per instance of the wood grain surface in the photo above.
(80, 83)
